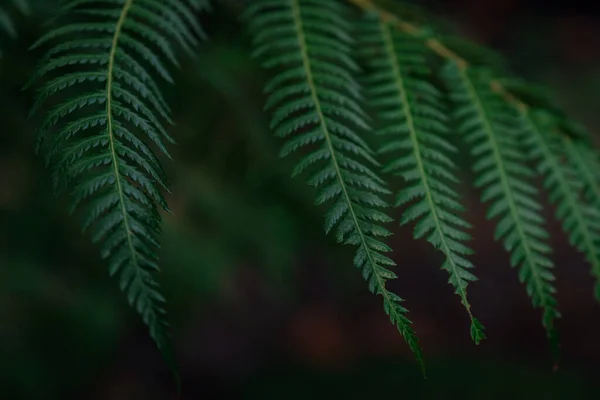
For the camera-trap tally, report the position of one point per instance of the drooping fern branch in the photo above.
(316, 108)
(413, 114)
(99, 139)
(313, 50)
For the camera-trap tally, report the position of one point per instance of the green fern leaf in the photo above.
(491, 128)
(316, 108)
(99, 138)
(414, 117)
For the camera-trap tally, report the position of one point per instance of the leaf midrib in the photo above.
(111, 137)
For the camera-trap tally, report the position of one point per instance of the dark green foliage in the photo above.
(316, 107)
(105, 132)
(311, 50)
(100, 138)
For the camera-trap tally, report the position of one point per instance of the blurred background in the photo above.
(262, 303)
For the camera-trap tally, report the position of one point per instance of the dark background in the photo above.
(262, 304)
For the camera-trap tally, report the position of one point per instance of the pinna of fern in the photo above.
(100, 136)
(316, 106)
(412, 113)
(491, 129)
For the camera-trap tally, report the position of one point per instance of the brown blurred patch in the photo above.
(318, 337)
(578, 38)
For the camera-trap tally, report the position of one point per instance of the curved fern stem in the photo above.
(418, 123)
(109, 127)
(491, 129)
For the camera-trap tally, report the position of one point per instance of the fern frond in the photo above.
(491, 129)
(316, 108)
(99, 138)
(413, 115)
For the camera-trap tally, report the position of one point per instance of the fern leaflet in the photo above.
(413, 114)
(99, 138)
(491, 129)
(316, 108)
